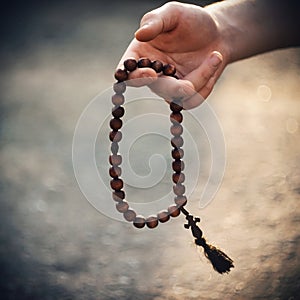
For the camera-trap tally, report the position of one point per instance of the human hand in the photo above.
(186, 36)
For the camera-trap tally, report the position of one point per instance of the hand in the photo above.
(186, 36)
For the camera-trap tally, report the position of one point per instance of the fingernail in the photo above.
(215, 60)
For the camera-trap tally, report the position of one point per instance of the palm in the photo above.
(185, 46)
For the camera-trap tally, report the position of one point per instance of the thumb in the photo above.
(157, 21)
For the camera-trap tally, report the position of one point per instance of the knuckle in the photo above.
(149, 15)
(172, 5)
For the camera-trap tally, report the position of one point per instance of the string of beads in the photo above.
(115, 136)
(220, 261)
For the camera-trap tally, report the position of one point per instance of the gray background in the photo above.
(55, 57)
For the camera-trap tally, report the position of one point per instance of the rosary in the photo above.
(220, 261)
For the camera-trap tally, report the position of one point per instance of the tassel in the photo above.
(220, 261)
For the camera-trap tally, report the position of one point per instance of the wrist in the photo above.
(226, 32)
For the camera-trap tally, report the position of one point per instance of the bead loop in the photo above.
(115, 136)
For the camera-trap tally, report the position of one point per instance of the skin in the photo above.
(201, 42)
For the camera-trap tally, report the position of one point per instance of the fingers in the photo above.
(141, 77)
(160, 20)
(195, 87)
(202, 75)
(150, 30)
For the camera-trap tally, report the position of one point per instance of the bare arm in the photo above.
(250, 27)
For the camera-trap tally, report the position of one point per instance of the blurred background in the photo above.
(55, 57)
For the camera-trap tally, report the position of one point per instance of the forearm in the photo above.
(250, 27)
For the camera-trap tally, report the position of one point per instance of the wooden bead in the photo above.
(180, 201)
(121, 75)
(130, 64)
(179, 189)
(116, 184)
(174, 210)
(177, 153)
(122, 206)
(115, 159)
(144, 63)
(129, 215)
(115, 124)
(169, 70)
(115, 136)
(178, 177)
(114, 147)
(163, 216)
(177, 141)
(139, 222)
(176, 106)
(176, 117)
(176, 129)
(115, 171)
(118, 111)
(152, 221)
(119, 87)
(117, 99)
(118, 195)
(178, 165)
(157, 66)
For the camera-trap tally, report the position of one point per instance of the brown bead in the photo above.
(163, 216)
(174, 210)
(118, 111)
(139, 222)
(176, 106)
(122, 206)
(116, 184)
(176, 129)
(177, 141)
(129, 215)
(179, 189)
(144, 63)
(177, 153)
(119, 87)
(114, 147)
(176, 117)
(130, 64)
(115, 124)
(180, 201)
(115, 171)
(169, 70)
(118, 195)
(157, 66)
(115, 136)
(152, 221)
(178, 165)
(115, 159)
(121, 75)
(117, 99)
(178, 177)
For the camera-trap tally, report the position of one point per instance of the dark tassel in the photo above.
(220, 261)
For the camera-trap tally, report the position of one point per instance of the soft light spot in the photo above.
(41, 205)
(178, 290)
(124, 280)
(291, 125)
(239, 286)
(264, 93)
